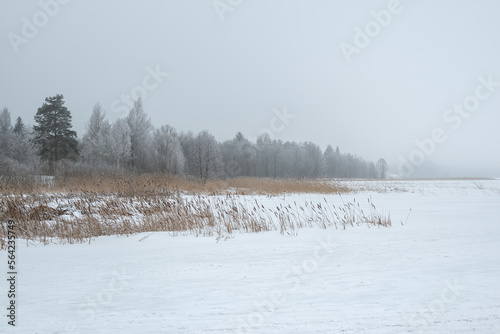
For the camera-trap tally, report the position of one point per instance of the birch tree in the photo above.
(140, 131)
(96, 141)
(167, 151)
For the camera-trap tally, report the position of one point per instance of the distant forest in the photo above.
(133, 145)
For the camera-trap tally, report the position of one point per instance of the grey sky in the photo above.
(228, 75)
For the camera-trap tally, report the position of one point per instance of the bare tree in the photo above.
(167, 151)
(120, 143)
(18, 154)
(382, 168)
(208, 156)
(140, 130)
(239, 156)
(96, 142)
(5, 121)
(187, 142)
(314, 161)
(5, 133)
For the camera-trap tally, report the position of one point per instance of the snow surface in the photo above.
(438, 273)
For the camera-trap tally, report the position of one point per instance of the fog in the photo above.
(414, 82)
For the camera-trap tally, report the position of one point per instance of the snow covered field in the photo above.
(438, 273)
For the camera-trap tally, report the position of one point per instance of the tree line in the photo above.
(132, 145)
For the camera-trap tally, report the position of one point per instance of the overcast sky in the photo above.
(297, 69)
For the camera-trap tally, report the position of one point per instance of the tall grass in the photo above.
(164, 184)
(75, 218)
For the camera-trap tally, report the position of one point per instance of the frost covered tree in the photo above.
(19, 128)
(264, 158)
(230, 156)
(96, 141)
(119, 144)
(239, 156)
(5, 121)
(16, 144)
(167, 151)
(18, 155)
(23, 147)
(187, 142)
(207, 156)
(382, 168)
(330, 162)
(133, 145)
(5, 133)
(140, 131)
(313, 160)
(53, 133)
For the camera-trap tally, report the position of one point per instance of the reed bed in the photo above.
(79, 217)
(164, 184)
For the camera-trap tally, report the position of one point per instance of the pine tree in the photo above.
(239, 137)
(53, 133)
(19, 128)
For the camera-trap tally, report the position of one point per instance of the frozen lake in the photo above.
(438, 273)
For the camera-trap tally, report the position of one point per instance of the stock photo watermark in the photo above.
(223, 7)
(102, 299)
(151, 81)
(453, 117)
(430, 313)
(277, 124)
(290, 283)
(12, 263)
(31, 26)
(363, 37)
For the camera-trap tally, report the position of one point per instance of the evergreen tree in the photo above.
(239, 137)
(53, 134)
(19, 128)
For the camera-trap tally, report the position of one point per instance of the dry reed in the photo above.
(74, 217)
(164, 184)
